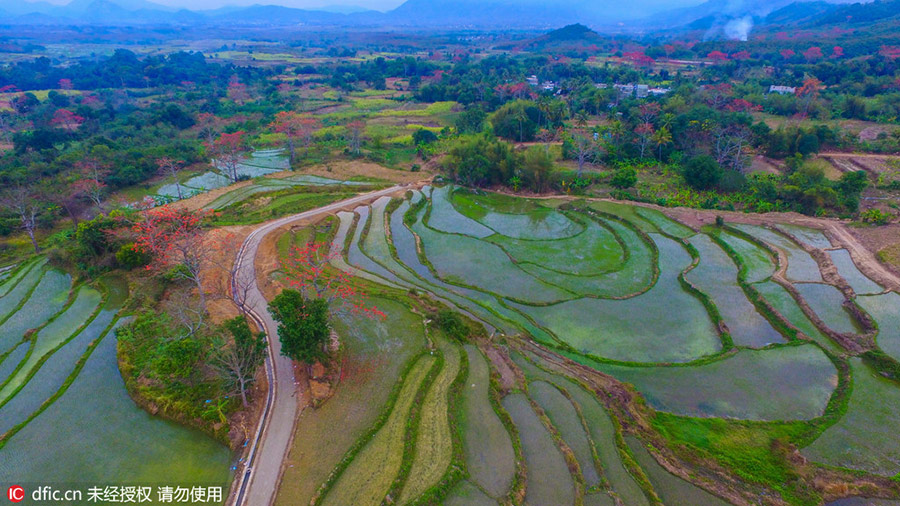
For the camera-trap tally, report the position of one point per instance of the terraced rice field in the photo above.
(698, 322)
(376, 353)
(59, 375)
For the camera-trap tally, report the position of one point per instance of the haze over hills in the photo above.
(725, 18)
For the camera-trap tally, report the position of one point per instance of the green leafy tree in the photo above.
(480, 160)
(702, 172)
(303, 327)
(517, 120)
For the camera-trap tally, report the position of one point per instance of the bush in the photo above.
(422, 136)
(876, 217)
(451, 324)
(130, 256)
(732, 181)
(624, 178)
(702, 172)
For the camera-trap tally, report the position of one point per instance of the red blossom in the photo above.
(813, 53)
(306, 269)
(66, 119)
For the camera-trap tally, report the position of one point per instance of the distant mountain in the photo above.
(717, 18)
(875, 12)
(568, 37)
(487, 13)
(18, 7)
(343, 9)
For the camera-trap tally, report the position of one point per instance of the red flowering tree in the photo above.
(306, 269)
(228, 152)
(809, 92)
(295, 126)
(237, 91)
(837, 52)
(813, 53)
(741, 55)
(787, 54)
(741, 105)
(176, 243)
(717, 56)
(66, 119)
(65, 84)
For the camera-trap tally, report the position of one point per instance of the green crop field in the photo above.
(434, 445)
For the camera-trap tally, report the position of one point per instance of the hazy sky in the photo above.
(382, 5)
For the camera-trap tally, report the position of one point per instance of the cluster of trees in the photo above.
(124, 69)
(484, 160)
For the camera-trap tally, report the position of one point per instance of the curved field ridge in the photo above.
(850, 272)
(549, 481)
(759, 262)
(593, 252)
(490, 458)
(434, 444)
(467, 494)
(610, 329)
(18, 288)
(48, 297)
(480, 264)
(885, 309)
(374, 354)
(54, 334)
(567, 421)
(716, 275)
(52, 374)
(785, 383)
(827, 302)
(515, 218)
(368, 478)
(865, 437)
(600, 427)
(671, 489)
(787, 306)
(801, 265)
(665, 224)
(445, 218)
(635, 275)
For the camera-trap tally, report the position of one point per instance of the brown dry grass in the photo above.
(217, 276)
(346, 169)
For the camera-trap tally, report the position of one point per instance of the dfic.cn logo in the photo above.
(15, 493)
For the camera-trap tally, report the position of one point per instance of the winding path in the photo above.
(257, 482)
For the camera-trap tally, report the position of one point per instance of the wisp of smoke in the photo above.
(739, 28)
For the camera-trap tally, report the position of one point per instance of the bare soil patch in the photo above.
(346, 169)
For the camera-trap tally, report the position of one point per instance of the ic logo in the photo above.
(15, 493)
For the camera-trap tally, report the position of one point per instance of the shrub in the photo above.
(451, 324)
(625, 177)
(702, 172)
(130, 256)
(876, 217)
